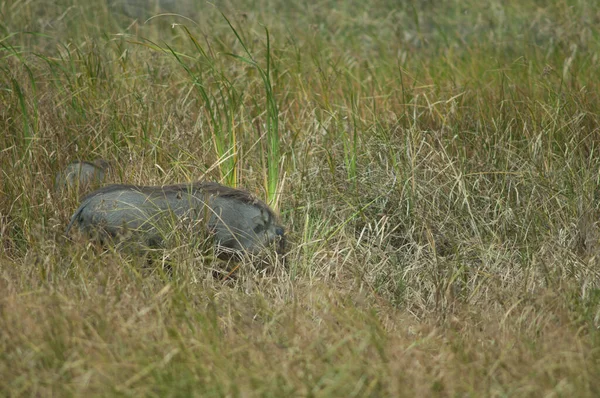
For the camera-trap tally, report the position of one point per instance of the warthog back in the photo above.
(81, 175)
(149, 215)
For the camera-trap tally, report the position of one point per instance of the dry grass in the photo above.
(436, 167)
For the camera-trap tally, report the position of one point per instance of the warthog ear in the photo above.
(101, 163)
(258, 226)
(261, 221)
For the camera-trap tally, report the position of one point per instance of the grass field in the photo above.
(436, 165)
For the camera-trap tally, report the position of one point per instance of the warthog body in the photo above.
(82, 175)
(150, 215)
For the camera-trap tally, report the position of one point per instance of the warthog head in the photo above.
(82, 175)
(237, 221)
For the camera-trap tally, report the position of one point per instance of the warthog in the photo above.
(82, 175)
(149, 215)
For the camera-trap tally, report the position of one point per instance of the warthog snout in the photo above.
(82, 175)
(149, 215)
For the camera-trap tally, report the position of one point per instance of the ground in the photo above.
(435, 164)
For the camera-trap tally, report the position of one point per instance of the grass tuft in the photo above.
(436, 167)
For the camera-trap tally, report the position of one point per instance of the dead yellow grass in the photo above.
(437, 170)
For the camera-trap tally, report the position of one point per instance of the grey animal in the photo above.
(149, 215)
(82, 175)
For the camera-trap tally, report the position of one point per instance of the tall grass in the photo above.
(221, 107)
(272, 153)
(435, 165)
(222, 102)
